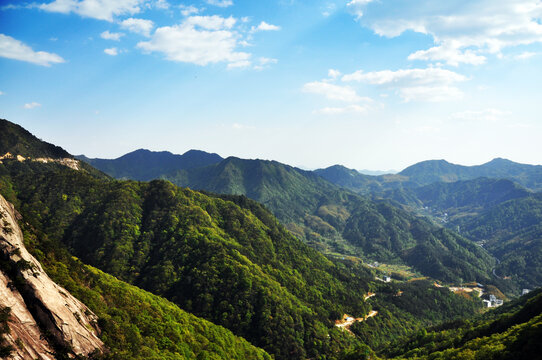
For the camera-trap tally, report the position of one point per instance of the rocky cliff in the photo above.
(43, 317)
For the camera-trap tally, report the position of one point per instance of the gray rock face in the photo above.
(38, 305)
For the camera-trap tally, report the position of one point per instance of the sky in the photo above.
(369, 84)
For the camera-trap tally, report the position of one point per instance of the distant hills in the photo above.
(458, 199)
(427, 172)
(431, 171)
(144, 165)
(377, 172)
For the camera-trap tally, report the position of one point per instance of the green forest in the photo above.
(174, 273)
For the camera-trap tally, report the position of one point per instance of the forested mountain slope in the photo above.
(225, 259)
(40, 320)
(512, 231)
(459, 199)
(19, 141)
(512, 331)
(499, 214)
(333, 219)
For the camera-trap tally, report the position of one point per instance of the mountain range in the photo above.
(144, 165)
(329, 217)
(226, 279)
(433, 171)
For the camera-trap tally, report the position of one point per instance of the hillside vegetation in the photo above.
(510, 332)
(499, 214)
(133, 324)
(226, 259)
(336, 220)
(512, 231)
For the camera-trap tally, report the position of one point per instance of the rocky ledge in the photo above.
(43, 317)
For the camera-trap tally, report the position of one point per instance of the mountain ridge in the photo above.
(144, 165)
(431, 171)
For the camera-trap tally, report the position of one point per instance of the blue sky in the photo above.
(370, 84)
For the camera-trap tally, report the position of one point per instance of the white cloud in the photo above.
(220, 3)
(406, 77)
(161, 4)
(358, 6)
(111, 36)
(350, 109)
(14, 49)
(452, 56)
(490, 115)
(332, 91)
(263, 26)
(263, 62)
(462, 30)
(138, 26)
(189, 10)
(186, 43)
(333, 74)
(430, 84)
(32, 105)
(96, 9)
(239, 64)
(2, 93)
(525, 55)
(213, 22)
(430, 93)
(112, 51)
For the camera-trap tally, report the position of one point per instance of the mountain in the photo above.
(224, 258)
(512, 331)
(433, 171)
(427, 172)
(17, 140)
(144, 165)
(376, 172)
(458, 199)
(362, 183)
(349, 178)
(499, 214)
(335, 220)
(512, 231)
(41, 320)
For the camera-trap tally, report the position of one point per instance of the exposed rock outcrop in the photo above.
(44, 317)
(71, 163)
